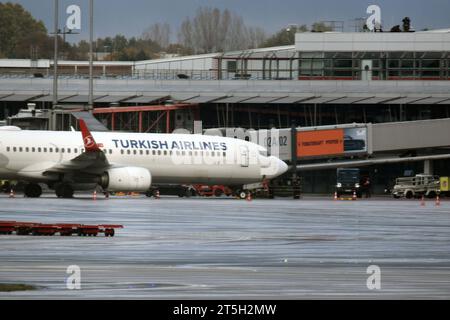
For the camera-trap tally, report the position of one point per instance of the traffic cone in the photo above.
(422, 202)
(335, 196)
(95, 195)
(11, 194)
(438, 201)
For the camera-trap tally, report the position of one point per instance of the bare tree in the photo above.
(236, 38)
(158, 33)
(212, 30)
(256, 36)
(186, 35)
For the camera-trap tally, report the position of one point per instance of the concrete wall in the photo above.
(375, 42)
(189, 63)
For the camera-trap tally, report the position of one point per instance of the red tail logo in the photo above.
(89, 143)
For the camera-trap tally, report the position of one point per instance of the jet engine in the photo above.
(126, 179)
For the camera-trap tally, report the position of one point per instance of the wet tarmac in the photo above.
(195, 248)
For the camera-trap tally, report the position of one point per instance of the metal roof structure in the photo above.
(407, 100)
(431, 100)
(350, 100)
(20, 97)
(444, 102)
(234, 91)
(79, 99)
(204, 99)
(262, 100)
(49, 98)
(323, 99)
(377, 100)
(144, 99)
(235, 99)
(91, 121)
(5, 94)
(292, 99)
(183, 96)
(114, 98)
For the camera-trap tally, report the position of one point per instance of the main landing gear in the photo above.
(64, 191)
(33, 190)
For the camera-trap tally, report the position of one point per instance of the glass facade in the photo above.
(374, 65)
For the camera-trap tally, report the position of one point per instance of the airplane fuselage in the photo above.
(170, 158)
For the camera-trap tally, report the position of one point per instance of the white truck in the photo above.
(416, 187)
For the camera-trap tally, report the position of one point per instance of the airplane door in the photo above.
(244, 155)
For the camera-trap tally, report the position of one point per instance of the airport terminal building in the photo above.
(392, 89)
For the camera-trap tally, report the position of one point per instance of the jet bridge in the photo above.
(397, 142)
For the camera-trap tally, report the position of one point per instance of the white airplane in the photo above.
(71, 161)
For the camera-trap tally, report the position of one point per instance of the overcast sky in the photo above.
(133, 16)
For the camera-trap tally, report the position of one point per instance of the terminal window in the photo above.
(381, 65)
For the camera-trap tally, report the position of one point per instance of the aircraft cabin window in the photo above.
(153, 152)
(20, 149)
(128, 151)
(45, 150)
(165, 153)
(121, 151)
(159, 152)
(110, 151)
(68, 150)
(75, 150)
(224, 154)
(147, 152)
(8, 149)
(39, 149)
(56, 150)
(141, 152)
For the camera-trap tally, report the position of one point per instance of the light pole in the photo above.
(52, 122)
(91, 55)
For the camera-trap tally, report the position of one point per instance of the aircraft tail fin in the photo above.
(89, 143)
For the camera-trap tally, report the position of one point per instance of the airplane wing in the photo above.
(92, 160)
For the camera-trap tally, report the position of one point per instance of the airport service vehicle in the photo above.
(129, 162)
(445, 188)
(348, 182)
(416, 187)
(171, 190)
(213, 191)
